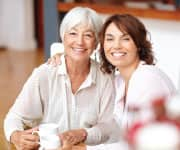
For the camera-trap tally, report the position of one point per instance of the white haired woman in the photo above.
(76, 95)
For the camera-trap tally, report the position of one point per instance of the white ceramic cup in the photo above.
(49, 142)
(48, 134)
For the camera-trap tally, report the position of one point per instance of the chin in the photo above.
(115, 64)
(80, 59)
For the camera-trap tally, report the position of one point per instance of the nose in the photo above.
(80, 39)
(117, 44)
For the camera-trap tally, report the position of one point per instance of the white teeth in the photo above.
(118, 54)
(78, 49)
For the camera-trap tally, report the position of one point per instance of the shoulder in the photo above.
(151, 72)
(46, 67)
(44, 71)
(149, 82)
(151, 78)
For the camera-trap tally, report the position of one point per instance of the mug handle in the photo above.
(35, 133)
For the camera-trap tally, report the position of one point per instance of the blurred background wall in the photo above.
(21, 30)
(17, 24)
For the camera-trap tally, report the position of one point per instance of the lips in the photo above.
(78, 49)
(118, 54)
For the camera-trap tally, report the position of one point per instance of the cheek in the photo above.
(67, 42)
(107, 54)
(107, 50)
(91, 44)
(106, 47)
(133, 46)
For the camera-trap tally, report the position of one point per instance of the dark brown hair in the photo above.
(136, 29)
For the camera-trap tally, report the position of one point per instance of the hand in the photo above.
(55, 60)
(79, 147)
(73, 137)
(66, 146)
(75, 147)
(25, 140)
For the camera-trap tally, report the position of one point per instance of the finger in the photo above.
(48, 61)
(67, 138)
(76, 140)
(29, 135)
(62, 136)
(58, 61)
(31, 138)
(29, 131)
(52, 61)
(26, 144)
(30, 145)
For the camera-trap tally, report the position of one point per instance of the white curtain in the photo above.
(17, 24)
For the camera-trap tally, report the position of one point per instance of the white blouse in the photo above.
(146, 84)
(47, 97)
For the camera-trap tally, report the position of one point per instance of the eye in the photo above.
(108, 39)
(89, 35)
(126, 38)
(72, 33)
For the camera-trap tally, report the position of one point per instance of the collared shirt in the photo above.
(47, 97)
(145, 85)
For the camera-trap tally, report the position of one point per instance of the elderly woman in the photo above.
(76, 94)
(126, 48)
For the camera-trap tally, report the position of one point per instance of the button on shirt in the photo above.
(47, 97)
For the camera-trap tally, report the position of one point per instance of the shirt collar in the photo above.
(93, 71)
(117, 72)
(91, 78)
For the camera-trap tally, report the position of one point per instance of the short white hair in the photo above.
(81, 15)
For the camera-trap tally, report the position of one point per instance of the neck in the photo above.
(77, 68)
(77, 72)
(127, 71)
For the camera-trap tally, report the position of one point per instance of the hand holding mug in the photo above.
(48, 134)
(25, 139)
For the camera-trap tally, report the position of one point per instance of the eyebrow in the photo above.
(88, 30)
(123, 35)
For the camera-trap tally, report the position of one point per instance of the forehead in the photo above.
(83, 27)
(113, 29)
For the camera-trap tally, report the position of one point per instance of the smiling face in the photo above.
(119, 48)
(79, 42)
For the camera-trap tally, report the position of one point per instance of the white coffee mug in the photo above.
(47, 128)
(48, 134)
(49, 142)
